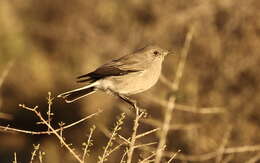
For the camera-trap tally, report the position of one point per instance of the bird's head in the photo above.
(155, 52)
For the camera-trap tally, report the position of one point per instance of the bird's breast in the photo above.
(134, 82)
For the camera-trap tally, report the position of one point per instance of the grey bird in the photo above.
(127, 75)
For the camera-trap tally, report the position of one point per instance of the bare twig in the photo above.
(173, 156)
(191, 109)
(133, 137)
(108, 134)
(117, 127)
(147, 159)
(211, 155)
(49, 113)
(184, 54)
(165, 129)
(147, 133)
(41, 154)
(61, 124)
(171, 102)
(15, 158)
(223, 145)
(124, 141)
(116, 148)
(144, 145)
(35, 149)
(136, 146)
(158, 124)
(166, 81)
(123, 157)
(52, 129)
(88, 144)
(10, 129)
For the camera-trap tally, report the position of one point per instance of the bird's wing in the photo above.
(117, 67)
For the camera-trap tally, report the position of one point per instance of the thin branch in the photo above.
(173, 156)
(88, 144)
(165, 129)
(15, 158)
(211, 155)
(133, 137)
(124, 140)
(158, 124)
(144, 145)
(147, 133)
(108, 134)
(166, 81)
(52, 129)
(116, 148)
(171, 102)
(10, 129)
(183, 58)
(191, 109)
(117, 127)
(147, 159)
(49, 113)
(35, 149)
(223, 145)
(123, 157)
(41, 154)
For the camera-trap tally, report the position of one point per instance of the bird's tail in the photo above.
(76, 94)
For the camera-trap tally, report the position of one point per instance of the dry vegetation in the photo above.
(204, 109)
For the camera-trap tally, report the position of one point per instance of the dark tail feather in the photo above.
(72, 96)
(85, 78)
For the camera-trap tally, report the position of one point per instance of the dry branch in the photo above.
(15, 130)
(171, 102)
(211, 155)
(38, 114)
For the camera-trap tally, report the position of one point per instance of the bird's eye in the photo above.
(155, 52)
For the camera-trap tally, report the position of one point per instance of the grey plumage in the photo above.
(129, 74)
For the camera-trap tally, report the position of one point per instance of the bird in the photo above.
(124, 76)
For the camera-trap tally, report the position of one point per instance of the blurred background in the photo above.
(44, 45)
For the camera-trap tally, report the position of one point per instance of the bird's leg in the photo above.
(124, 98)
(128, 100)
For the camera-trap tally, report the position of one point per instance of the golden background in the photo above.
(45, 44)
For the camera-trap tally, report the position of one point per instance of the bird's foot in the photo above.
(129, 101)
(126, 99)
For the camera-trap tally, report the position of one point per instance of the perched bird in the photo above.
(127, 75)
